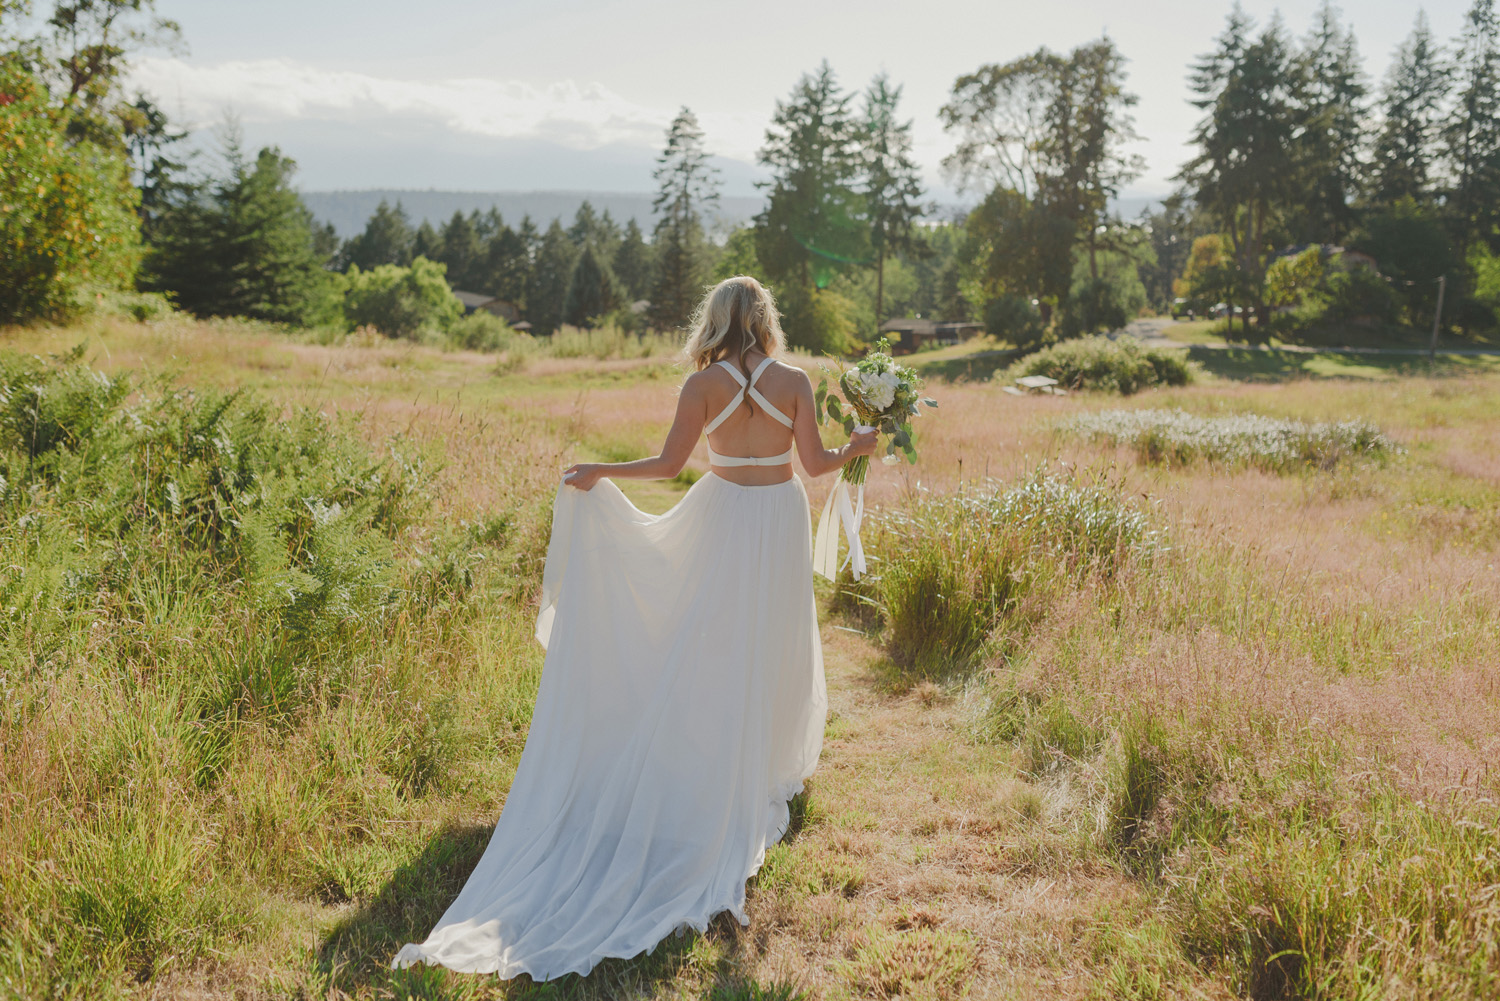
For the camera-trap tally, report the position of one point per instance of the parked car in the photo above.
(1182, 309)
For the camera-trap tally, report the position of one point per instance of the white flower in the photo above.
(890, 460)
(877, 391)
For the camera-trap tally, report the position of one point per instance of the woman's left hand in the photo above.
(583, 475)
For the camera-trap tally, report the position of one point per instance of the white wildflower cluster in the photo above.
(1243, 439)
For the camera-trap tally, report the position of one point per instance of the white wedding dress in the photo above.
(682, 704)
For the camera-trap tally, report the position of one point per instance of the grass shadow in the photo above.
(976, 366)
(1246, 365)
(354, 957)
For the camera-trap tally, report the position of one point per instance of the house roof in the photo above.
(909, 324)
(473, 300)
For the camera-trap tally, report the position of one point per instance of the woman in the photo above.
(682, 700)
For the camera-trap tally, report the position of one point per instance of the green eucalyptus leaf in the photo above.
(931, 402)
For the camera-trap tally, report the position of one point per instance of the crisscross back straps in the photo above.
(746, 386)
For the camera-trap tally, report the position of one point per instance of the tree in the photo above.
(686, 183)
(1471, 136)
(1049, 133)
(1414, 248)
(459, 248)
(812, 227)
(86, 52)
(1209, 278)
(426, 243)
(1329, 133)
(387, 239)
(892, 184)
(69, 210)
(149, 137)
(633, 262)
(1242, 174)
(507, 266)
(593, 289)
(550, 275)
(400, 301)
(1088, 127)
(243, 245)
(1411, 106)
(1171, 231)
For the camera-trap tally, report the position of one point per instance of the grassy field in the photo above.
(1110, 719)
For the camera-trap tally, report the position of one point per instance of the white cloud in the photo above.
(581, 116)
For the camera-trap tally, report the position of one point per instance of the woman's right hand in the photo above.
(863, 442)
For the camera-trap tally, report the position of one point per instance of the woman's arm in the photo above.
(687, 426)
(816, 459)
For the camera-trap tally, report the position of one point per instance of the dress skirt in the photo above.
(682, 704)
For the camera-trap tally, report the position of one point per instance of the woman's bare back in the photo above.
(749, 430)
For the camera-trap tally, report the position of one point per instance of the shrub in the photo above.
(1105, 302)
(292, 512)
(402, 302)
(957, 572)
(1269, 443)
(1358, 293)
(1121, 365)
(67, 207)
(1013, 318)
(819, 321)
(480, 331)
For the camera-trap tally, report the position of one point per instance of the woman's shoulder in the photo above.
(792, 374)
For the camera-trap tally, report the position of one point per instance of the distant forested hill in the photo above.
(348, 210)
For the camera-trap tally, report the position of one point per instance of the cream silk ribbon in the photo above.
(826, 548)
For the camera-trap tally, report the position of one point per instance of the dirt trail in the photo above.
(922, 852)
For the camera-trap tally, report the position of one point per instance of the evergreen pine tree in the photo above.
(245, 247)
(1471, 136)
(1330, 95)
(593, 289)
(1242, 174)
(460, 250)
(551, 272)
(586, 224)
(507, 266)
(633, 262)
(387, 239)
(426, 243)
(1411, 105)
(686, 182)
(892, 182)
(811, 226)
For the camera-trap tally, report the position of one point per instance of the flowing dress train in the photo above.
(682, 704)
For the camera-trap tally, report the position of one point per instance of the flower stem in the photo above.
(856, 469)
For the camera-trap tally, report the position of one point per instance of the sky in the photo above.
(576, 94)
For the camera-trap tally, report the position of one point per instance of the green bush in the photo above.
(819, 321)
(1102, 302)
(413, 302)
(293, 513)
(481, 331)
(1269, 443)
(1121, 365)
(1014, 319)
(67, 207)
(1358, 293)
(956, 573)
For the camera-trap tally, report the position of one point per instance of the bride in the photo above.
(682, 701)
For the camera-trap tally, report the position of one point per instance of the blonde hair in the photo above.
(736, 316)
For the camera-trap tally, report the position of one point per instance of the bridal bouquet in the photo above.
(882, 395)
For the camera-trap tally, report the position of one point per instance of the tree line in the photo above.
(1312, 197)
(1296, 149)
